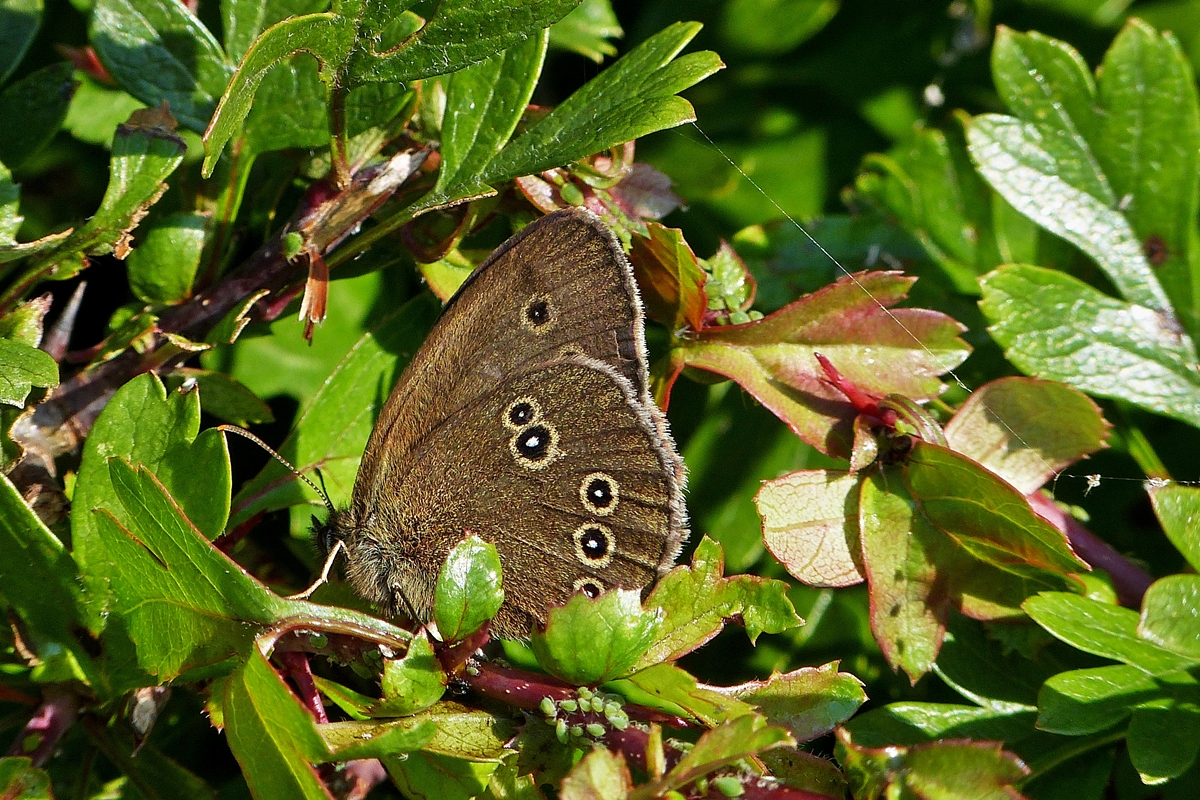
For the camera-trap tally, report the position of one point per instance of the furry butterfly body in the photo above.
(526, 419)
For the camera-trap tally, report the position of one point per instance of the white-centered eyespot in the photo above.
(599, 493)
(535, 446)
(521, 412)
(538, 315)
(594, 544)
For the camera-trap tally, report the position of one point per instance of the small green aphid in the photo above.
(596, 729)
(560, 731)
(568, 705)
(577, 731)
(729, 786)
(585, 704)
(293, 243)
(619, 721)
(548, 708)
(318, 641)
(585, 693)
(611, 709)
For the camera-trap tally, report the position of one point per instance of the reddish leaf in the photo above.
(669, 275)
(882, 351)
(942, 769)
(1025, 430)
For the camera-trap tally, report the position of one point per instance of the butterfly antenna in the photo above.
(248, 435)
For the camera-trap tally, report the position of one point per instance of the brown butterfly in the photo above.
(526, 419)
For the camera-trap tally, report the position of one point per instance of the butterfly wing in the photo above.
(560, 286)
(562, 468)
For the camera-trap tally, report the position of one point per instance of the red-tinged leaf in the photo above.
(670, 278)
(1025, 430)
(600, 775)
(810, 524)
(986, 517)
(909, 594)
(940, 530)
(882, 351)
(950, 768)
(809, 702)
(696, 601)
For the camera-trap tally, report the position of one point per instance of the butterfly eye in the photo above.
(589, 586)
(594, 544)
(599, 493)
(537, 313)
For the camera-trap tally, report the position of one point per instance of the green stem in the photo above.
(1061, 755)
(337, 138)
(1139, 447)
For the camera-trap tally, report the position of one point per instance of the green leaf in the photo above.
(1044, 165)
(393, 740)
(412, 683)
(332, 430)
(589, 641)
(901, 555)
(771, 27)
(587, 29)
(809, 702)
(1057, 327)
(981, 668)
(429, 776)
(1177, 508)
(163, 264)
(96, 111)
(455, 731)
(457, 34)
(851, 322)
(145, 151)
(947, 769)
(18, 777)
(271, 735)
(32, 110)
(484, 103)
(19, 22)
(158, 51)
(1147, 140)
(1164, 737)
(599, 775)
(725, 744)
(1102, 630)
(469, 589)
(243, 20)
(21, 368)
(327, 37)
(1171, 615)
(913, 723)
(40, 583)
(675, 691)
(942, 530)
(697, 601)
(27, 322)
(1164, 723)
(635, 96)
(810, 524)
(984, 516)
(938, 198)
(183, 603)
(144, 425)
(1026, 430)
